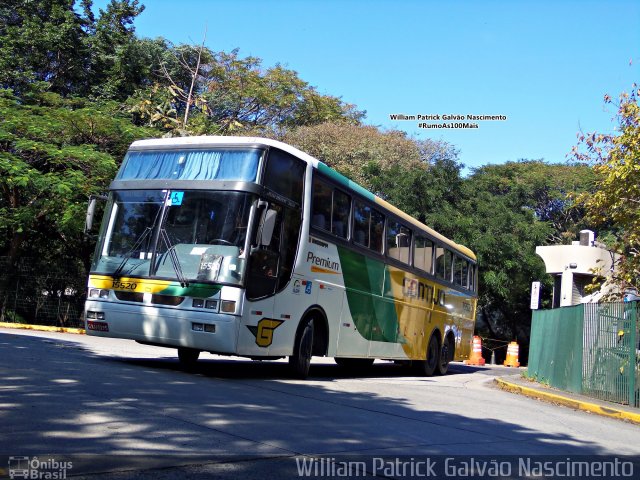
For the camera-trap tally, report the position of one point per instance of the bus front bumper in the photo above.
(211, 332)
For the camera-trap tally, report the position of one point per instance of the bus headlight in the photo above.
(98, 293)
(228, 306)
(95, 315)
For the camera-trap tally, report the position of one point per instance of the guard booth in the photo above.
(574, 266)
(587, 346)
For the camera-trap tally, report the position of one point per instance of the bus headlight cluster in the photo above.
(203, 303)
(228, 306)
(95, 315)
(98, 293)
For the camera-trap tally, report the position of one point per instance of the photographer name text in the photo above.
(445, 120)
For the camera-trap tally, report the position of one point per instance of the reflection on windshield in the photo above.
(186, 235)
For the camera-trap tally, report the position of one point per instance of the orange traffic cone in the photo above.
(476, 354)
(512, 355)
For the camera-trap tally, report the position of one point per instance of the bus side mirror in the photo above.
(268, 225)
(91, 210)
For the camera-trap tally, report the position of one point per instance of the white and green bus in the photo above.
(250, 247)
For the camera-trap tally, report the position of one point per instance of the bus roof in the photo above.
(207, 141)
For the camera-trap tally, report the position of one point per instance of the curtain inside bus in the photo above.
(239, 165)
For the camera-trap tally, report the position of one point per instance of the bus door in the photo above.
(270, 314)
(256, 333)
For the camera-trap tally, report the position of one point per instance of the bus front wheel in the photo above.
(188, 356)
(300, 360)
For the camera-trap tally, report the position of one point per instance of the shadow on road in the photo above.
(58, 397)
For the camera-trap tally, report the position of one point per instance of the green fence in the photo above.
(590, 349)
(31, 294)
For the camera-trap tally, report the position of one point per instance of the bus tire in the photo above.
(188, 356)
(428, 366)
(354, 364)
(300, 360)
(446, 355)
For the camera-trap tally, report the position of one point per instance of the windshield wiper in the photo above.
(127, 256)
(173, 256)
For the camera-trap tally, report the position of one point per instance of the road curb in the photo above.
(43, 328)
(568, 402)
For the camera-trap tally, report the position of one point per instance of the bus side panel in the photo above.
(397, 311)
(330, 299)
(257, 328)
(351, 341)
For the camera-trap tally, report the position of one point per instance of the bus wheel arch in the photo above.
(320, 330)
(311, 339)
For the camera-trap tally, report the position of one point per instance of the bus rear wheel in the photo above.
(446, 355)
(300, 360)
(188, 356)
(427, 367)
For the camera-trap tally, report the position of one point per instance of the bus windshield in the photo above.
(188, 236)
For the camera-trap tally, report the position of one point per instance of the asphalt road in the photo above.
(123, 410)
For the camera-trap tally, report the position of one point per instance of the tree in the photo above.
(42, 41)
(548, 190)
(119, 62)
(357, 151)
(615, 159)
(428, 190)
(232, 95)
(48, 42)
(52, 157)
(504, 212)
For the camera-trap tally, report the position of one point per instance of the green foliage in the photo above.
(360, 152)
(616, 200)
(48, 41)
(547, 190)
(51, 160)
(232, 95)
(42, 40)
(120, 62)
(504, 212)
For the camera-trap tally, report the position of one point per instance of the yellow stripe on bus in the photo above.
(323, 270)
(128, 284)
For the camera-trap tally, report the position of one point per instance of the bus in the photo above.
(250, 247)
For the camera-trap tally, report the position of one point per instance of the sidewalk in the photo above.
(523, 386)
(42, 328)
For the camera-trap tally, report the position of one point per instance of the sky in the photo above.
(544, 65)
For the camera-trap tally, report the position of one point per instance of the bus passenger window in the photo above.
(461, 270)
(472, 278)
(398, 241)
(423, 254)
(321, 209)
(377, 231)
(448, 272)
(361, 219)
(340, 219)
(444, 263)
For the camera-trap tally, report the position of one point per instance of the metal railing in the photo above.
(610, 360)
(590, 349)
